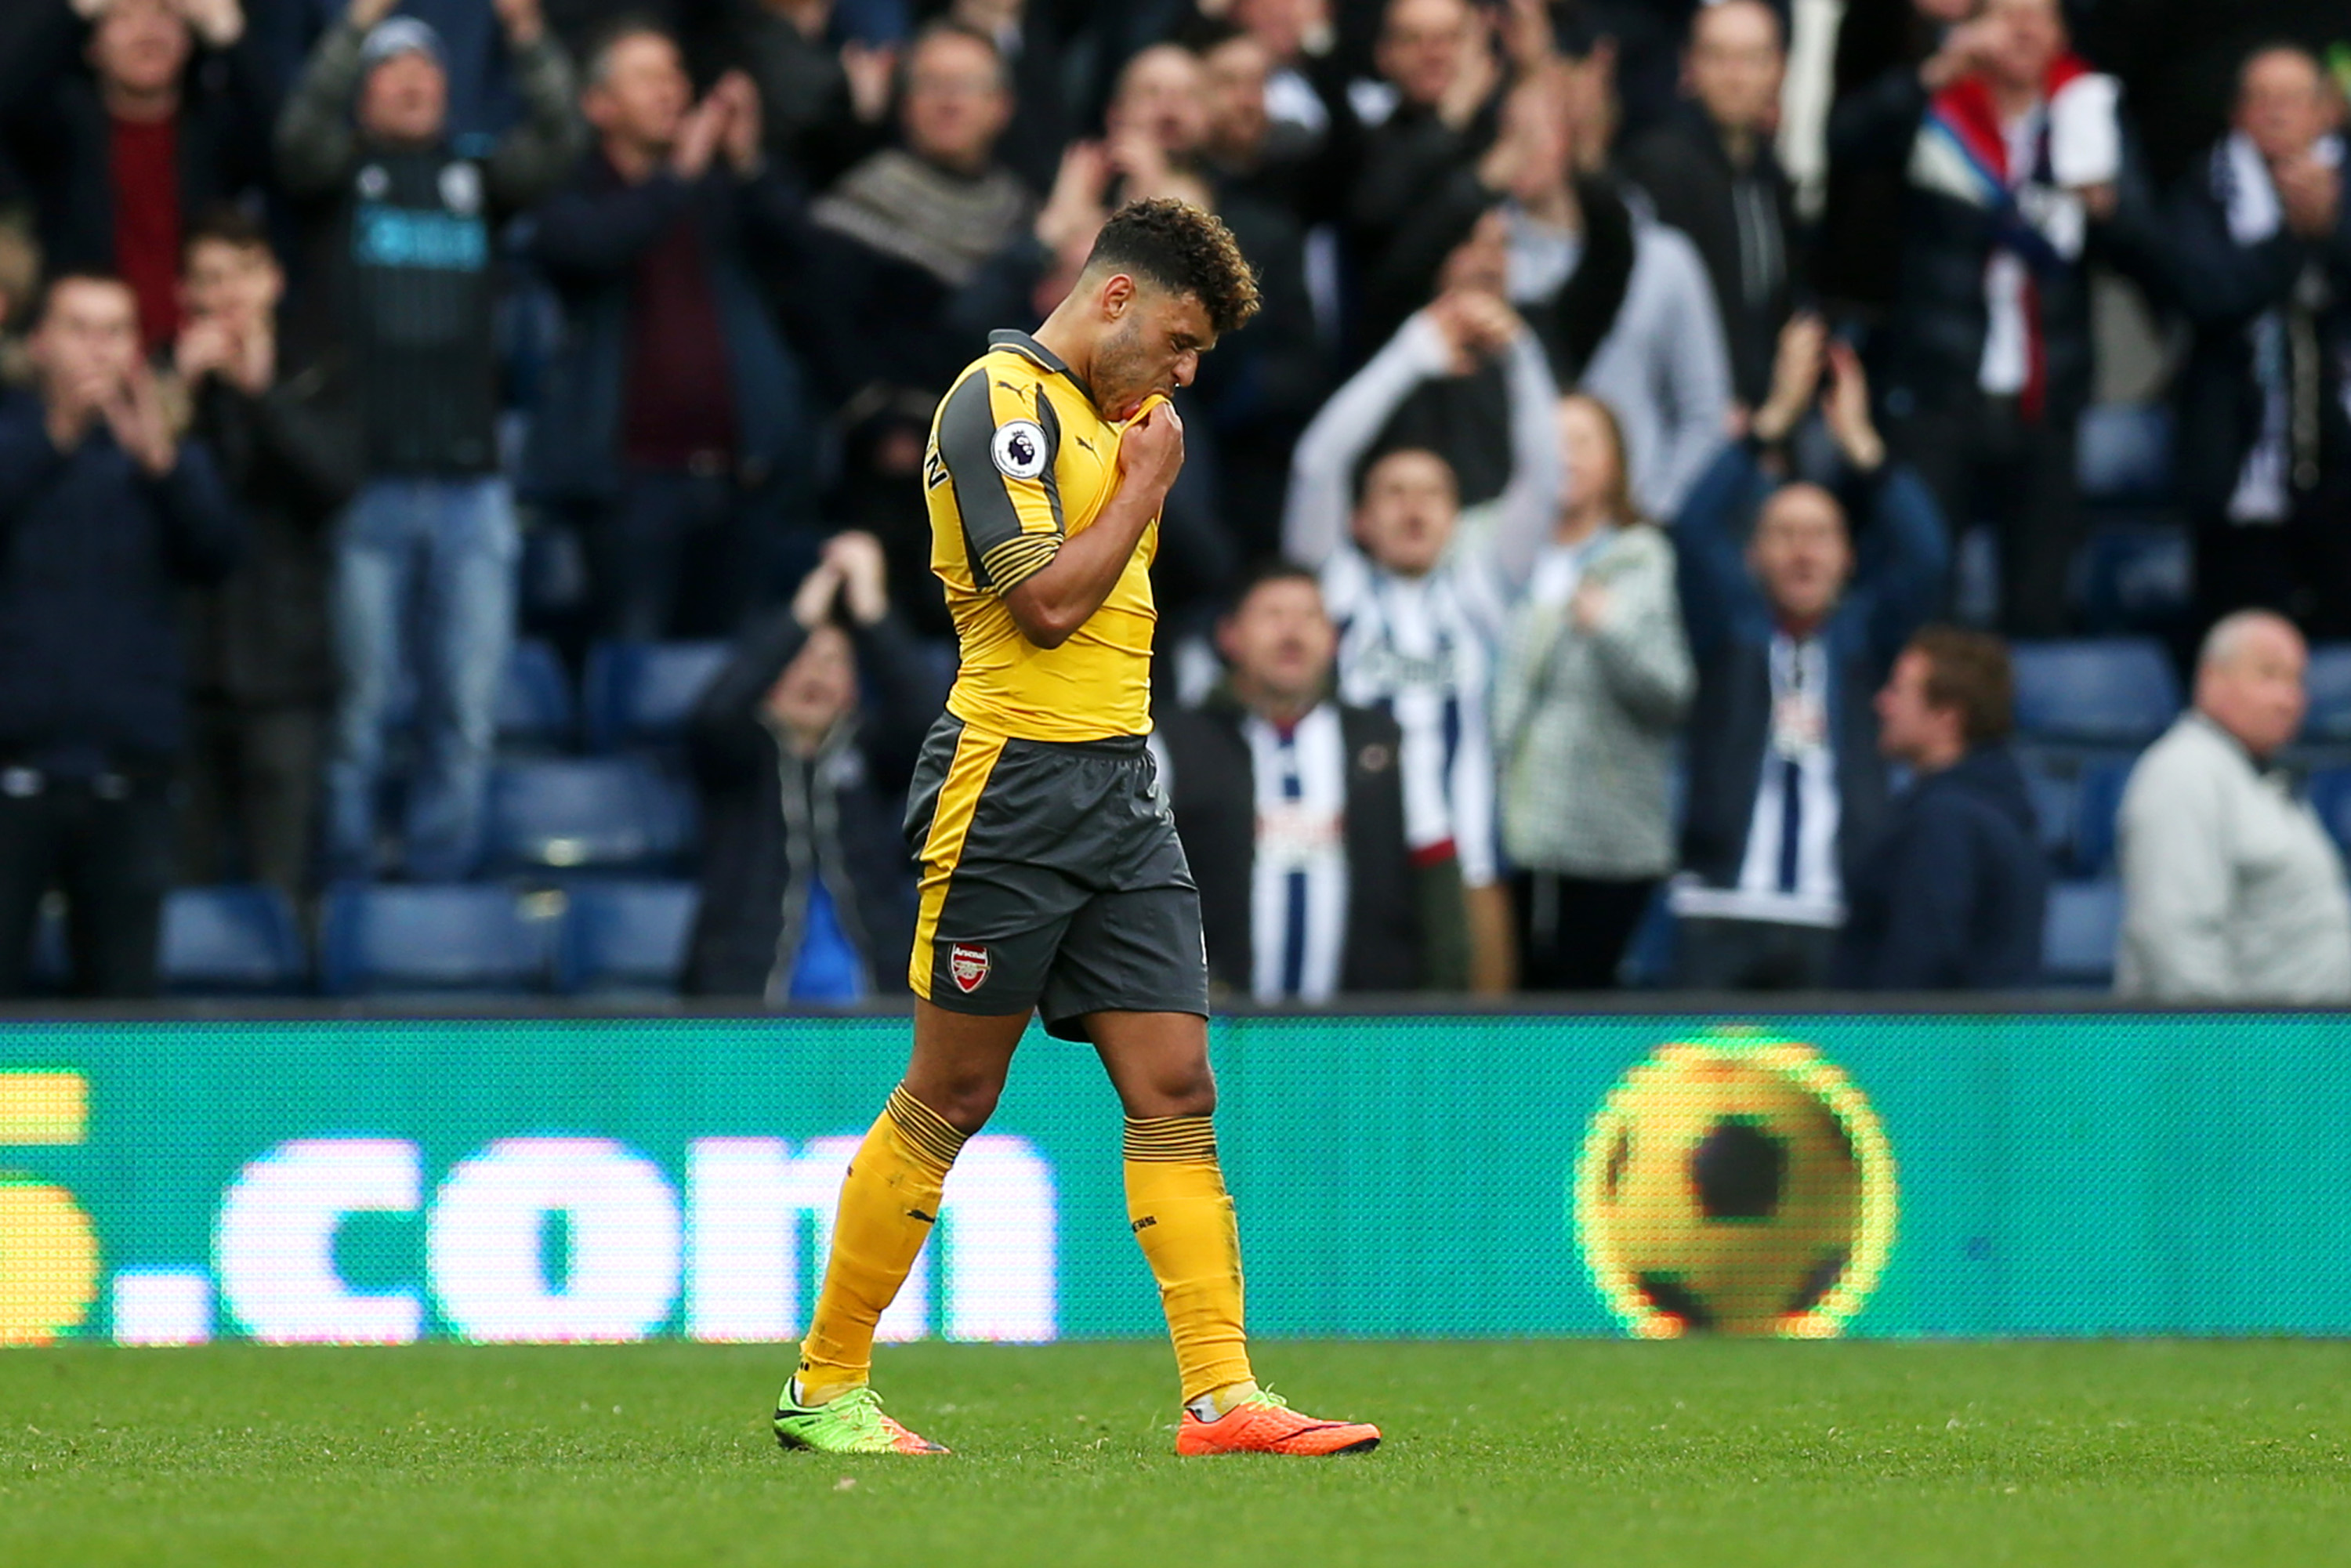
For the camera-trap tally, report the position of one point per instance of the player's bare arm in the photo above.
(1054, 602)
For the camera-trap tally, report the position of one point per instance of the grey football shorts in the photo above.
(1053, 880)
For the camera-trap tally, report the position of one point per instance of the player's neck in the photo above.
(1063, 336)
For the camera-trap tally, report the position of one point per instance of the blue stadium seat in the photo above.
(2117, 691)
(2135, 577)
(2077, 943)
(640, 695)
(2056, 797)
(2330, 797)
(2124, 453)
(424, 940)
(626, 939)
(232, 941)
(536, 710)
(593, 814)
(2329, 681)
(2097, 804)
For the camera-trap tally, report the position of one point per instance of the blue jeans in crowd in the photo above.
(424, 601)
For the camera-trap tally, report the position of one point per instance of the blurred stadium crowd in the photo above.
(1770, 494)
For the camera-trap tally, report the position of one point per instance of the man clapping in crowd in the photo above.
(104, 514)
(262, 653)
(2012, 151)
(1420, 609)
(673, 426)
(2254, 250)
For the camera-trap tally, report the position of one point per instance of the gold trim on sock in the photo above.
(1171, 1138)
(932, 1135)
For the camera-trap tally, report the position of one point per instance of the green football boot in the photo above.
(850, 1423)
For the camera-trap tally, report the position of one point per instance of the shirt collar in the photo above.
(1021, 342)
(2271, 768)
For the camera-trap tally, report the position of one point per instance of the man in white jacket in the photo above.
(2232, 890)
(1420, 589)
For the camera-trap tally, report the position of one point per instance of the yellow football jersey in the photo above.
(1021, 459)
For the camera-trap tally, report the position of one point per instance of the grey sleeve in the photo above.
(1663, 369)
(1697, 395)
(316, 140)
(997, 445)
(1321, 469)
(535, 156)
(1529, 505)
(1640, 647)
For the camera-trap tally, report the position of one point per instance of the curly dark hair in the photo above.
(1184, 250)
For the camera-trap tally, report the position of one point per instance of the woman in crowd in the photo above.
(1595, 680)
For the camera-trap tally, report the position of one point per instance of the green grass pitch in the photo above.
(1703, 1453)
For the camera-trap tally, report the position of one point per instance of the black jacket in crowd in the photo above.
(1857, 247)
(93, 554)
(772, 819)
(1934, 357)
(1467, 418)
(1743, 222)
(1214, 801)
(2222, 289)
(291, 458)
(1951, 894)
(1409, 162)
(1263, 386)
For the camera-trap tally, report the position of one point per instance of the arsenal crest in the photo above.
(967, 963)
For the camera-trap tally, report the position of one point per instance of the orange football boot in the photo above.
(1265, 1424)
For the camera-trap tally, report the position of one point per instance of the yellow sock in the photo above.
(889, 1202)
(1175, 1199)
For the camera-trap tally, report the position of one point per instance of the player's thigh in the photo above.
(1158, 1062)
(960, 1061)
(984, 816)
(1131, 978)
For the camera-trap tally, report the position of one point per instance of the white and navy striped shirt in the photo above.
(1422, 648)
(1297, 886)
(1790, 875)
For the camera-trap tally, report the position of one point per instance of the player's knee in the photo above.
(1188, 1091)
(964, 1101)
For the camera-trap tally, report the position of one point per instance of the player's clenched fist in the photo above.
(1150, 453)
